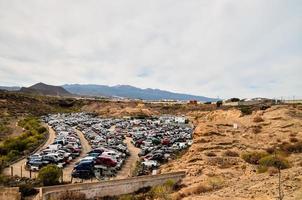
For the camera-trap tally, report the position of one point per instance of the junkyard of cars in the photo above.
(159, 139)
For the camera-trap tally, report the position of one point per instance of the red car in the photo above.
(165, 141)
(106, 161)
(139, 142)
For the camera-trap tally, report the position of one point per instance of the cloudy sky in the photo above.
(222, 48)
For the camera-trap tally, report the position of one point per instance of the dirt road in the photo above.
(85, 149)
(21, 164)
(123, 173)
(130, 163)
(66, 171)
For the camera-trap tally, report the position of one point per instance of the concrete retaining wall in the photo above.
(110, 188)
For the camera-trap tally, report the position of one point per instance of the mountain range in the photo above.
(123, 91)
(131, 92)
(8, 88)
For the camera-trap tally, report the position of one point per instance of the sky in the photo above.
(214, 48)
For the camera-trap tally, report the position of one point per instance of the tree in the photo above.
(218, 104)
(50, 175)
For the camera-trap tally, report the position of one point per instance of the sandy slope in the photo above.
(215, 133)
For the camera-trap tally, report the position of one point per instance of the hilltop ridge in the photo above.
(44, 89)
(128, 91)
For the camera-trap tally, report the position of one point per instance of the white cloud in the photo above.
(214, 47)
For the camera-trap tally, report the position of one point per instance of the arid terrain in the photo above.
(213, 164)
(141, 109)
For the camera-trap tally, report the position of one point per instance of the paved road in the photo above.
(21, 164)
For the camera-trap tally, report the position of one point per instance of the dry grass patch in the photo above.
(230, 153)
(253, 157)
(258, 119)
(211, 184)
(202, 140)
(210, 154)
(194, 160)
(291, 148)
(256, 129)
(222, 162)
(212, 133)
(71, 195)
(293, 140)
(215, 182)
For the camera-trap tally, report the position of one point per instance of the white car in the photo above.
(87, 158)
(113, 154)
(150, 163)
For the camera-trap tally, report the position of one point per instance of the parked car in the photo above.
(106, 161)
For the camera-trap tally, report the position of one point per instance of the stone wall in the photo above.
(110, 188)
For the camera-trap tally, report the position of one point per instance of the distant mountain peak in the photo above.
(44, 89)
(123, 86)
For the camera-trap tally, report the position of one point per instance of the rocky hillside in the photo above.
(215, 166)
(18, 104)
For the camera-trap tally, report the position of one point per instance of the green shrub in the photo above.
(169, 183)
(262, 169)
(218, 104)
(245, 110)
(215, 182)
(14, 147)
(127, 197)
(253, 157)
(49, 175)
(12, 155)
(3, 179)
(277, 161)
(4, 129)
(42, 129)
(27, 189)
(160, 192)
